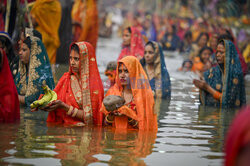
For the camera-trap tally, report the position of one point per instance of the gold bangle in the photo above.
(70, 110)
(75, 112)
(135, 124)
(107, 120)
(131, 120)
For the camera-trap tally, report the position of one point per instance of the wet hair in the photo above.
(75, 48)
(27, 41)
(129, 29)
(202, 34)
(203, 49)
(225, 37)
(151, 44)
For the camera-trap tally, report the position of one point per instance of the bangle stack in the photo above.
(107, 120)
(72, 111)
(217, 95)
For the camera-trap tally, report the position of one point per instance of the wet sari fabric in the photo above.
(9, 103)
(48, 16)
(136, 47)
(238, 137)
(142, 94)
(84, 93)
(160, 84)
(29, 79)
(228, 81)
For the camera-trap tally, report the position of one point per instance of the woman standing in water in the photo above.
(132, 43)
(34, 69)
(224, 84)
(154, 65)
(79, 91)
(133, 86)
(9, 104)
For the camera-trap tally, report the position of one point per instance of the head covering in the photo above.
(238, 136)
(29, 80)
(136, 47)
(88, 97)
(142, 93)
(231, 83)
(33, 32)
(27, 41)
(161, 82)
(9, 103)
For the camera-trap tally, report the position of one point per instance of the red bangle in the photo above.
(217, 95)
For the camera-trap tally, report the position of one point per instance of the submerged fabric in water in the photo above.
(230, 84)
(238, 137)
(9, 103)
(161, 82)
(87, 96)
(29, 82)
(142, 93)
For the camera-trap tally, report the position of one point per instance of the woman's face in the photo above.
(220, 53)
(123, 74)
(149, 54)
(205, 55)
(126, 37)
(213, 42)
(24, 53)
(203, 41)
(74, 59)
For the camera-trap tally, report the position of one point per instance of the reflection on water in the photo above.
(187, 134)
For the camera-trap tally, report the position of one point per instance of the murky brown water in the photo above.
(187, 135)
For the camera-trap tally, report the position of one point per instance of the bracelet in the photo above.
(75, 112)
(217, 95)
(135, 124)
(70, 110)
(107, 120)
(130, 120)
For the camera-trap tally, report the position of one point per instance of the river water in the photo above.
(187, 135)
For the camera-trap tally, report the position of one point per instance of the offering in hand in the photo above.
(48, 97)
(113, 102)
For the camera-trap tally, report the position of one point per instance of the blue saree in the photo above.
(227, 80)
(29, 80)
(160, 84)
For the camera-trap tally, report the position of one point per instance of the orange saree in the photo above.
(47, 14)
(89, 31)
(143, 97)
(84, 93)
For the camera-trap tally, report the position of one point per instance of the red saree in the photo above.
(142, 93)
(136, 47)
(238, 137)
(9, 103)
(89, 95)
